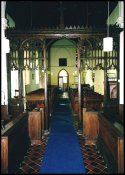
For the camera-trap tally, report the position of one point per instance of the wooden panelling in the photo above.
(120, 160)
(4, 109)
(121, 112)
(90, 126)
(15, 142)
(4, 154)
(16, 107)
(111, 141)
(36, 125)
(42, 119)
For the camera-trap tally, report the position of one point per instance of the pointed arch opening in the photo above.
(63, 80)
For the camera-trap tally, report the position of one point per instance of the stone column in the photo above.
(4, 50)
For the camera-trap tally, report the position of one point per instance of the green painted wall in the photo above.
(62, 48)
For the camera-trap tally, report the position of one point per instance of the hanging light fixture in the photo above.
(108, 41)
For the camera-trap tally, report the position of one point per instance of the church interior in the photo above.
(62, 87)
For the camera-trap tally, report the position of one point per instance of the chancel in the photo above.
(59, 114)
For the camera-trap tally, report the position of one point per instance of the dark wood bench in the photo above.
(14, 143)
(111, 144)
(93, 101)
(36, 99)
(90, 99)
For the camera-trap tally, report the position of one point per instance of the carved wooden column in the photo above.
(45, 91)
(20, 78)
(79, 87)
(105, 81)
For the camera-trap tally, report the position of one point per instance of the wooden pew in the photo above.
(90, 126)
(14, 143)
(36, 125)
(90, 99)
(93, 101)
(16, 106)
(36, 99)
(4, 114)
(111, 144)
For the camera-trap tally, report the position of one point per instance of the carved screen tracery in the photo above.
(92, 55)
(14, 55)
(33, 55)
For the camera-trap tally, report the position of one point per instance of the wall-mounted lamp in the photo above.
(108, 41)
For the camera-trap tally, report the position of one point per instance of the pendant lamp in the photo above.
(108, 41)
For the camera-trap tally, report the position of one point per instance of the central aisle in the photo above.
(63, 154)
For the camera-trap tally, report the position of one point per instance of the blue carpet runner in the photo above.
(63, 154)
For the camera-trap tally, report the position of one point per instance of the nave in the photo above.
(37, 61)
(35, 160)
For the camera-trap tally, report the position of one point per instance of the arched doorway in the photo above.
(63, 80)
